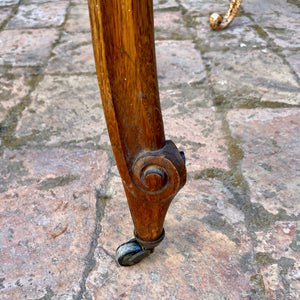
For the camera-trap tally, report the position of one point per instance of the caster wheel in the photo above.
(131, 253)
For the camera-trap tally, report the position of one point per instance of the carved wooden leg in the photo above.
(217, 22)
(152, 169)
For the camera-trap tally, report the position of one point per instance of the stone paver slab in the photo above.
(8, 2)
(280, 19)
(204, 7)
(39, 15)
(29, 47)
(63, 110)
(270, 140)
(178, 63)
(199, 135)
(13, 89)
(165, 4)
(293, 57)
(277, 253)
(244, 78)
(78, 20)
(40, 1)
(169, 25)
(4, 14)
(79, 1)
(73, 54)
(47, 224)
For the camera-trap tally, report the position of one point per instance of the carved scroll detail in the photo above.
(217, 22)
(160, 174)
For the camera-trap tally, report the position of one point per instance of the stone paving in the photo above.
(230, 100)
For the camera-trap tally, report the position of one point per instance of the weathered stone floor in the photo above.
(230, 100)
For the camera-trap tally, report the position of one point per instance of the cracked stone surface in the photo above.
(48, 219)
(278, 131)
(78, 20)
(46, 14)
(74, 54)
(16, 46)
(58, 103)
(229, 99)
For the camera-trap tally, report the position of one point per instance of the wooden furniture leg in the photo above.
(152, 169)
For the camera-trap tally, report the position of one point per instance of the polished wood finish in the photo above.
(152, 169)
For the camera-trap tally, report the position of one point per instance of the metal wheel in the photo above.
(131, 253)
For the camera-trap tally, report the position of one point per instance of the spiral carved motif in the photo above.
(218, 22)
(159, 174)
(154, 178)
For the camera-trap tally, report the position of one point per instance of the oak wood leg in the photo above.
(152, 169)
